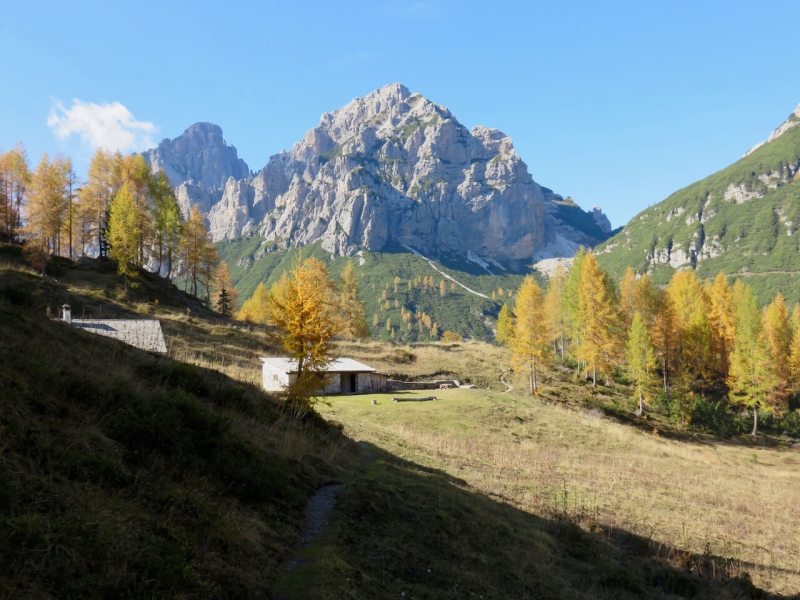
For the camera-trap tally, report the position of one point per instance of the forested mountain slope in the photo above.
(742, 221)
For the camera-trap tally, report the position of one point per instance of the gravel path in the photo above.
(509, 387)
(318, 510)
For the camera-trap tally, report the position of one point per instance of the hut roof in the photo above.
(340, 365)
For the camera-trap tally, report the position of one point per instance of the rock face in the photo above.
(198, 164)
(392, 166)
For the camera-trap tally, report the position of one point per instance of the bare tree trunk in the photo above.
(754, 433)
(594, 374)
(530, 378)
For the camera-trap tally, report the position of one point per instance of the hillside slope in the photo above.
(469, 305)
(126, 474)
(742, 221)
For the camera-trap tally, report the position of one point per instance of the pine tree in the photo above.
(225, 294)
(124, 235)
(641, 359)
(530, 342)
(752, 379)
(505, 325)
(598, 320)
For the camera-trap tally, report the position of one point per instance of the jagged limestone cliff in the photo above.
(390, 166)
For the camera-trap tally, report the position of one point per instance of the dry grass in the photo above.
(728, 501)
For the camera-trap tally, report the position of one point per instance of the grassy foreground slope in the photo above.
(752, 233)
(706, 508)
(253, 261)
(125, 474)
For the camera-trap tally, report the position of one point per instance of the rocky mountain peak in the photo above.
(392, 166)
(199, 156)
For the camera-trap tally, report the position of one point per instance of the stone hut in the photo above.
(144, 334)
(344, 376)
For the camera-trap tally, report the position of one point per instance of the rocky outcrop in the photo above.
(392, 166)
(198, 164)
(792, 121)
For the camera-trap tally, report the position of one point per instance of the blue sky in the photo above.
(617, 104)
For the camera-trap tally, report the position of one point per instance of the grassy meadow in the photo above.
(125, 474)
(734, 503)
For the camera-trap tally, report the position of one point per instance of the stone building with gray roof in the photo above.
(144, 334)
(343, 376)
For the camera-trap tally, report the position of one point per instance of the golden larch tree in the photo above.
(254, 309)
(752, 378)
(778, 330)
(302, 309)
(353, 323)
(124, 235)
(598, 321)
(641, 359)
(530, 342)
(557, 311)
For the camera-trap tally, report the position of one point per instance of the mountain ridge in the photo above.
(742, 219)
(392, 165)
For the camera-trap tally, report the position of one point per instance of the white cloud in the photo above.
(109, 125)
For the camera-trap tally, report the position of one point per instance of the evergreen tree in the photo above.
(225, 294)
(531, 339)
(641, 359)
(752, 379)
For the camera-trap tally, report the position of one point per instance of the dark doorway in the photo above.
(348, 385)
